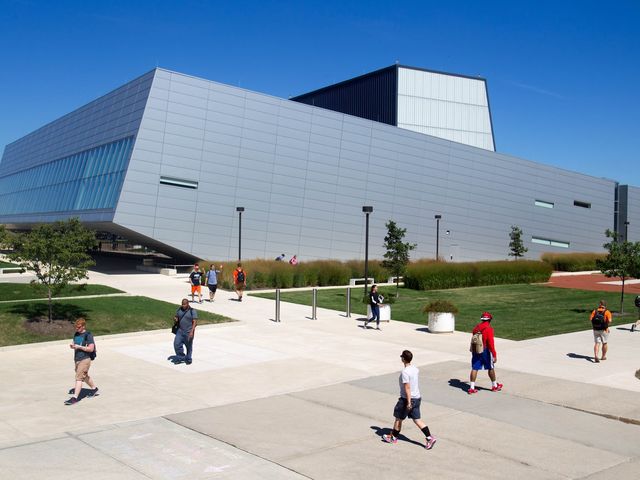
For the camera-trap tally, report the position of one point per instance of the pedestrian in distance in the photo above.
(408, 404)
(375, 300)
(187, 320)
(212, 281)
(635, 326)
(84, 351)
(600, 320)
(483, 353)
(239, 281)
(280, 258)
(293, 260)
(195, 279)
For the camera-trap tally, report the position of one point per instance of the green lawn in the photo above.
(104, 316)
(24, 291)
(8, 265)
(520, 311)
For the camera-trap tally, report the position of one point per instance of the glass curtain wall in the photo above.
(88, 180)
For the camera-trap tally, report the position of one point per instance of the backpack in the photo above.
(92, 355)
(240, 277)
(598, 322)
(476, 343)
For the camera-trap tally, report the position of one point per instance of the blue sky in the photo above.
(563, 76)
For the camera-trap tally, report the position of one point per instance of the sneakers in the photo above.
(71, 401)
(497, 388)
(188, 362)
(597, 360)
(471, 391)
(93, 393)
(378, 328)
(387, 437)
(430, 443)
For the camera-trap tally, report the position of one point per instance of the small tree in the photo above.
(622, 261)
(56, 253)
(516, 246)
(396, 256)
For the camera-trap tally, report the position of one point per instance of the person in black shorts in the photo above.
(212, 281)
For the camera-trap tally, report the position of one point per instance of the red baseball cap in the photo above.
(486, 316)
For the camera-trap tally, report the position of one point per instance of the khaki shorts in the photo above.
(82, 370)
(239, 287)
(600, 336)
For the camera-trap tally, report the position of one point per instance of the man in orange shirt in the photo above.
(600, 320)
(240, 281)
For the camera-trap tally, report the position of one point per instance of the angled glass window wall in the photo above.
(88, 180)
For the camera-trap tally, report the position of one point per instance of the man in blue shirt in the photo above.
(187, 318)
(212, 281)
(84, 348)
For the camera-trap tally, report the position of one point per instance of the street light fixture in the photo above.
(437, 217)
(239, 210)
(366, 210)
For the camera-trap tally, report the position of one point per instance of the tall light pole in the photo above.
(626, 231)
(239, 210)
(366, 210)
(437, 217)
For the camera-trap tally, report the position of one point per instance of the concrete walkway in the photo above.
(309, 399)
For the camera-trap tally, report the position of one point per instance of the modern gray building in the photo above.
(166, 159)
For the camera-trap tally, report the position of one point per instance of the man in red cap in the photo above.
(488, 357)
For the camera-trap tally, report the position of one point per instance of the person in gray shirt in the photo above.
(187, 319)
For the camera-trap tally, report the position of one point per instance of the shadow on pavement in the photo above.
(386, 431)
(578, 356)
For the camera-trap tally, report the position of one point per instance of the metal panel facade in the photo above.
(447, 106)
(303, 173)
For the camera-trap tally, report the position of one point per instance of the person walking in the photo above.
(487, 358)
(293, 260)
(239, 281)
(195, 278)
(408, 404)
(637, 304)
(84, 347)
(212, 281)
(600, 320)
(187, 319)
(280, 258)
(375, 300)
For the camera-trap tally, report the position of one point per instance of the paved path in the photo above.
(309, 399)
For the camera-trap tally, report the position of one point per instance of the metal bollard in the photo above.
(277, 304)
(314, 306)
(348, 302)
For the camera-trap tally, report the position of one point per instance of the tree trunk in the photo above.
(50, 305)
(622, 298)
(397, 286)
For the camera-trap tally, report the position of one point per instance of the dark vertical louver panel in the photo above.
(372, 96)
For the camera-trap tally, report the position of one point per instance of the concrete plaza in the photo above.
(310, 399)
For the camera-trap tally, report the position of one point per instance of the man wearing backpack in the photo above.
(240, 281)
(84, 350)
(600, 320)
(485, 359)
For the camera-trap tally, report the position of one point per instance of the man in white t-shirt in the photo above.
(409, 403)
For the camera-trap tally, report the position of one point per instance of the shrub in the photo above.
(429, 275)
(440, 306)
(572, 262)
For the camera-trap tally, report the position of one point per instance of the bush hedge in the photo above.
(573, 262)
(271, 274)
(430, 275)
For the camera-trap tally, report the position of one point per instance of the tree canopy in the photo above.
(516, 246)
(396, 257)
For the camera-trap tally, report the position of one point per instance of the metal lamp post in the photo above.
(437, 217)
(239, 210)
(366, 210)
(626, 231)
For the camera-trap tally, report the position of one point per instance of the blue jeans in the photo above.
(375, 314)
(182, 338)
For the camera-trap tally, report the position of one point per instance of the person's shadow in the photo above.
(84, 392)
(582, 357)
(386, 431)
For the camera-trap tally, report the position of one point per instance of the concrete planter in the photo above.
(385, 312)
(441, 322)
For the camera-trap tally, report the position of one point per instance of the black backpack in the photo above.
(94, 354)
(598, 322)
(240, 277)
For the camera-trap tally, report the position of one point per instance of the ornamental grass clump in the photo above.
(440, 306)
(573, 262)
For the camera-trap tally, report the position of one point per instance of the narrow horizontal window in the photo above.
(578, 203)
(178, 182)
(543, 204)
(549, 242)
